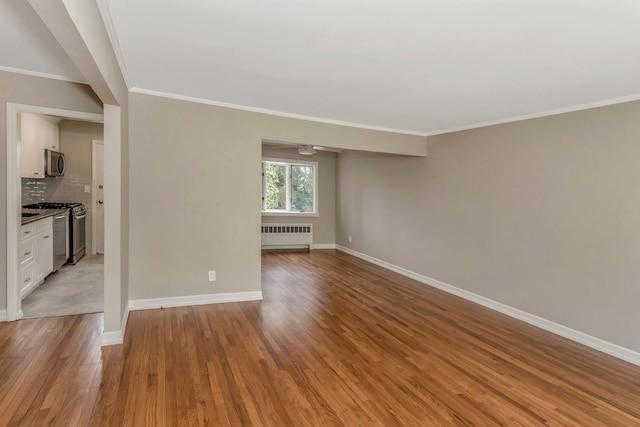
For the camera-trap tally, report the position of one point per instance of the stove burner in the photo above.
(53, 205)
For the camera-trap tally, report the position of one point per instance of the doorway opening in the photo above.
(74, 284)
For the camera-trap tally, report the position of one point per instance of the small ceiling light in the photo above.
(306, 150)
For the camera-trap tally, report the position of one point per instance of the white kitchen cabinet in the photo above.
(36, 254)
(52, 133)
(37, 133)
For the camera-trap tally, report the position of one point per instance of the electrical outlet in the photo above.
(87, 189)
(349, 239)
(212, 275)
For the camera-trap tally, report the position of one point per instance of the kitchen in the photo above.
(61, 247)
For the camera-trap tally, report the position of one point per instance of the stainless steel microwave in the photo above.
(54, 162)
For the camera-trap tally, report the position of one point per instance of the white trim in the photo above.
(39, 74)
(270, 112)
(105, 12)
(3, 315)
(282, 247)
(112, 338)
(564, 331)
(123, 324)
(288, 163)
(116, 337)
(569, 109)
(13, 200)
(323, 246)
(113, 268)
(540, 114)
(291, 214)
(146, 304)
(13, 205)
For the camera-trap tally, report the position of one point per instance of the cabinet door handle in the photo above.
(27, 280)
(27, 253)
(36, 173)
(45, 237)
(26, 232)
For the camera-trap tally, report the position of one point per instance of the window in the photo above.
(289, 187)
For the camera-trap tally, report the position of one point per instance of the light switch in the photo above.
(87, 189)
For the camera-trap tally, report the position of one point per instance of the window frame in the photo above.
(288, 184)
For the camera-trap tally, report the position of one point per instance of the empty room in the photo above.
(305, 213)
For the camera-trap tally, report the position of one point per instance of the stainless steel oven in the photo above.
(77, 218)
(78, 237)
(60, 239)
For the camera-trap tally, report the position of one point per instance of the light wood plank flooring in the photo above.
(336, 341)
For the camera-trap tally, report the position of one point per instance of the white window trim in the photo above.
(289, 162)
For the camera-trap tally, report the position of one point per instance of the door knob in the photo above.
(100, 202)
(100, 186)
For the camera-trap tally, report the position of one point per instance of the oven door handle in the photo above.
(80, 217)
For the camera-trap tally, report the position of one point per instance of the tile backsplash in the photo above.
(59, 189)
(35, 190)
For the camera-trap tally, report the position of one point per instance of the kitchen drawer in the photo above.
(27, 232)
(26, 279)
(26, 251)
(42, 224)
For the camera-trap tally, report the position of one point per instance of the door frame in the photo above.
(94, 199)
(14, 192)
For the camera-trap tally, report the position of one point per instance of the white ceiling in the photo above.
(26, 45)
(424, 66)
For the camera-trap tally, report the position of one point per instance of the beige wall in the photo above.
(542, 215)
(76, 139)
(75, 143)
(195, 191)
(324, 225)
(21, 89)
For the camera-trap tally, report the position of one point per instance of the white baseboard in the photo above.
(3, 315)
(323, 246)
(111, 338)
(116, 337)
(146, 304)
(125, 319)
(564, 331)
(280, 247)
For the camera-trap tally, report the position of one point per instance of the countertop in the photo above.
(39, 214)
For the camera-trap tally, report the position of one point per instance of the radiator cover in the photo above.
(281, 234)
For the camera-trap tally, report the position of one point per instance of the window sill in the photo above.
(291, 214)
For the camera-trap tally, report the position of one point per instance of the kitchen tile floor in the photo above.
(74, 289)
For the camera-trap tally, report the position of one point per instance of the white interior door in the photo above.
(98, 196)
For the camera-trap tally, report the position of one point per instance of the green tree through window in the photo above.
(275, 197)
(302, 188)
(288, 187)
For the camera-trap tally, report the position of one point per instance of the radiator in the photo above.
(287, 235)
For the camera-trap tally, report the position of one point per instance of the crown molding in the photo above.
(571, 109)
(271, 112)
(39, 74)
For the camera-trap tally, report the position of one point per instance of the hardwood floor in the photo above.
(336, 341)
